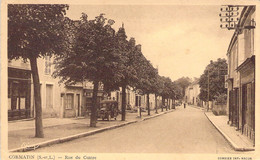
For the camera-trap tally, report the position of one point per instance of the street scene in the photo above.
(152, 137)
(131, 78)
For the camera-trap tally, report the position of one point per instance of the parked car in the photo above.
(108, 109)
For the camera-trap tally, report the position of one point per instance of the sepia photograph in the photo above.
(141, 79)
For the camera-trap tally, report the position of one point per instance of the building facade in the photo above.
(57, 99)
(241, 74)
(192, 93)
(19, 90)
(134, 99)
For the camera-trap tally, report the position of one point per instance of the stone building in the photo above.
(58, 100)
(241, 74)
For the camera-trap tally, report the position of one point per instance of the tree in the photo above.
(213, 79)
(127, 50)
(167, 90)
(147, 80)
(132, 60)
(36, 31)
(94, 57)
(178, 91)
(183, 82)
(158, 88)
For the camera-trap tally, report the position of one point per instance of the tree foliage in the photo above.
(36, 31)
(215, 71)
(94, 57)
(183, 82)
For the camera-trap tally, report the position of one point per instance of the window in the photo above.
(49, 96)
(47, 65)
(18, 94)
(69, 101)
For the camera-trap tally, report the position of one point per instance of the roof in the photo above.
(244, 14)
(247, 61)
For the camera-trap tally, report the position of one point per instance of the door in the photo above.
(253, 106)
(244, 106)
(236, 110)
(230, 106)
(78, 105)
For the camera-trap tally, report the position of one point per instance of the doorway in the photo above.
(78, 105)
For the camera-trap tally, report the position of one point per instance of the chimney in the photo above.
(132, 41)
(139, 47)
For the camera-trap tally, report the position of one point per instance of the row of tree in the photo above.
(84, 50)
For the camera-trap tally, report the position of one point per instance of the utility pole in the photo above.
(229, 16)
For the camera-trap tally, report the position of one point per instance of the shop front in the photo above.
(19, 94)
(88, 94)
(247, 85)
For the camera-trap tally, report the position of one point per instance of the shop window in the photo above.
(69, 101)
(17, 94)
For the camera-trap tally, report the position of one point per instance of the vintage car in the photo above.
(108, 109)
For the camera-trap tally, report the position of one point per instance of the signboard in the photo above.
(226, 77)
(226, 85)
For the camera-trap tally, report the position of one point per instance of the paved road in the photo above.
(182, 131)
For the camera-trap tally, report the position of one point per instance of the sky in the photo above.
(179, 39)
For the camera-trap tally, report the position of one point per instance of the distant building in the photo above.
(192, 93)
(241, 74)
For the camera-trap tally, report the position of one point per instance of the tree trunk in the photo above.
(173, 103)
(163, 103)
(123, 102)
(93, 117)
(140, 108)
(183, 91)
(167, 104)
(37, 98)
(170, 103)
(148, 104)
(156, 103)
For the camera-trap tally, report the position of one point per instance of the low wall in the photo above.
(219, 109)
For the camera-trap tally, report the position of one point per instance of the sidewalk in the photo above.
(238, 141)
(58, 130)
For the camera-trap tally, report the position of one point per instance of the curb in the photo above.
(68, 138)
(233, 145)
(197, 107)
(146, 118)
(80, 135)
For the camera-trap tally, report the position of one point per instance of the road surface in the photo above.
(181, 131)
